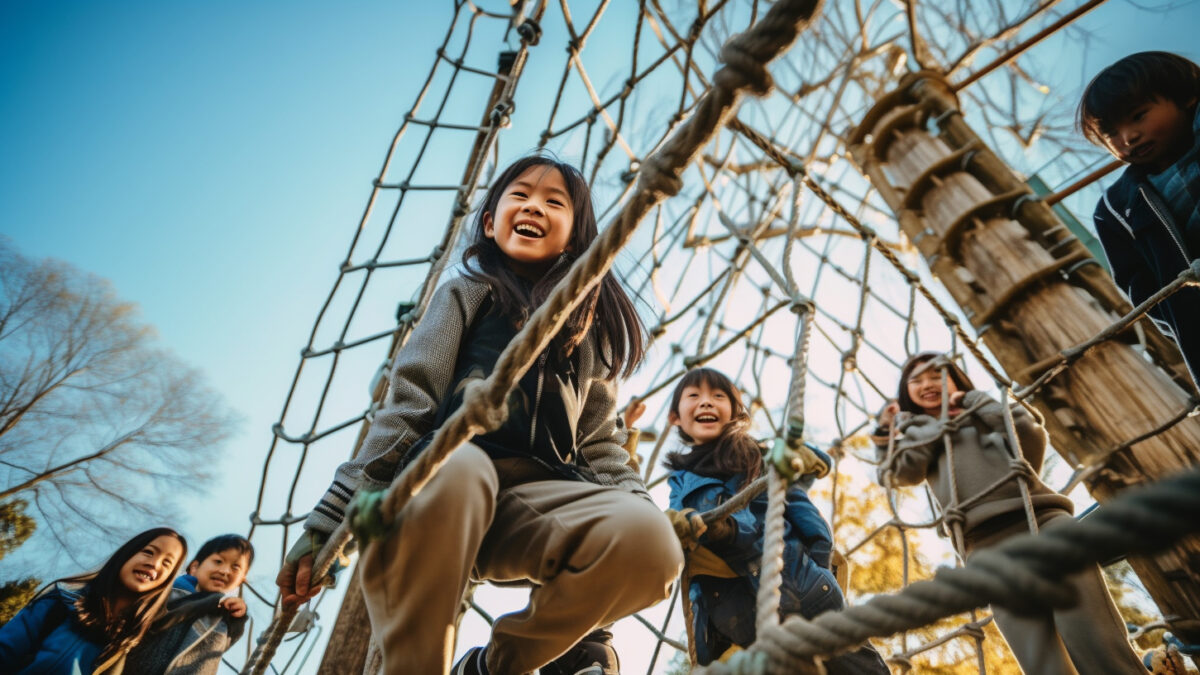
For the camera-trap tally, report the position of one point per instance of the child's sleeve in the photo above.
(1030, 432)
(914, 452)
(601, 439)
(21, 637)
(1128, 268)
(420, 377)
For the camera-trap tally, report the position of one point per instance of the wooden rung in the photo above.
(1020, 286)
(946, 165)
(997, 205)
(913, 116)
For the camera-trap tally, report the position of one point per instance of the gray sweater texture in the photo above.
(421, 376)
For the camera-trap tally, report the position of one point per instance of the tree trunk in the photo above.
(1031, 291)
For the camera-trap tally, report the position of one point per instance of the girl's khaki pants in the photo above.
(1087, 639)
(594, 554)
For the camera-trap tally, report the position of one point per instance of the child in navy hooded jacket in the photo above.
(1143, 109)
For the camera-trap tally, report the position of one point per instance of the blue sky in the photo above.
(212, 159)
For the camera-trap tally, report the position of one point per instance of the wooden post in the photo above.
(1031, 290)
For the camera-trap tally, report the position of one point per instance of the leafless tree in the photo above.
(99, 428)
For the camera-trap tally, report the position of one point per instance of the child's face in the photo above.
(150, 567)
(703, 412)
(1153, 135)
(925, 389)
(533, 220)
(223, 571)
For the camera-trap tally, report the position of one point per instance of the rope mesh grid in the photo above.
(758, 223)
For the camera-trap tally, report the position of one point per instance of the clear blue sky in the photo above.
(212, 159)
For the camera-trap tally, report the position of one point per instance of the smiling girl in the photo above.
(723, 458)
(547, 497)
(87, 623)
(978, 491)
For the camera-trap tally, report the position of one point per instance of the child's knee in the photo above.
(647, 543)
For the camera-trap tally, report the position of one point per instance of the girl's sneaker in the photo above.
(471, 663)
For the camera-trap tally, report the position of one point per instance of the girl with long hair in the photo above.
(548, 497)
(88, 623)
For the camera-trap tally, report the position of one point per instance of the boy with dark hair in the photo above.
(203, 619)
(1143, 109)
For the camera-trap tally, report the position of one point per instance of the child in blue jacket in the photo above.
(1143, 109)
(724, 570)
(86, 624)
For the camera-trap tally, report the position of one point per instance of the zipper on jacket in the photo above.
(537, 401)
(1167, 224)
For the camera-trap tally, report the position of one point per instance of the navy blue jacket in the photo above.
(724, 609)
(1146, 250)
(44, 638)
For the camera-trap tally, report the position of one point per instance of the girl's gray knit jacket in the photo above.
(421, 377)
(980, 459)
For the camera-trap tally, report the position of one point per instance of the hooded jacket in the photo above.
(980, 458)
(727, 605)
(1147, 250)
(44, 638)
(422, 377)
(190, 638)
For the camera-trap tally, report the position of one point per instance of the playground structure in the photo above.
(781, 235)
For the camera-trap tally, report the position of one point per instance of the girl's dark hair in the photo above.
(1132, 81)
(735, 451)
(953, 370)
(121, 631)
(607, 309)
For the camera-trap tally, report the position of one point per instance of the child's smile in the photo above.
(703, 412)
(147, 569)
(925, 389)
(533, 221)
(223, 571)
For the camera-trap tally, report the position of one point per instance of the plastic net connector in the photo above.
(792, 463)
(366, 516)
(530, 31)
(304, 621)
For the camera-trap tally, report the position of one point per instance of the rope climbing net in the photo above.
(770, 232)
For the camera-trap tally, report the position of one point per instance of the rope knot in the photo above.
(742, 67)
(481, 413)
(656, 175)
(953, 515)
(1021, 469)
(530, 31)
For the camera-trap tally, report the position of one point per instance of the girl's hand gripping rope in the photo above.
(295, 577)
(793, 463)
(688, 527)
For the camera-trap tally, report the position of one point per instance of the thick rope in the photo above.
(1024, 574)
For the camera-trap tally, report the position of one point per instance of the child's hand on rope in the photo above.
(955, 402)
(688, 527)
(634, 412)
(295, 577)
(234, 605)
(721, 531)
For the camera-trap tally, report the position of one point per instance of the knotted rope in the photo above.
(1023, 574)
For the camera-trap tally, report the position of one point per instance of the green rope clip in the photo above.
(793, 463)
(748, 663)
(786, 461)
(366, 516)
